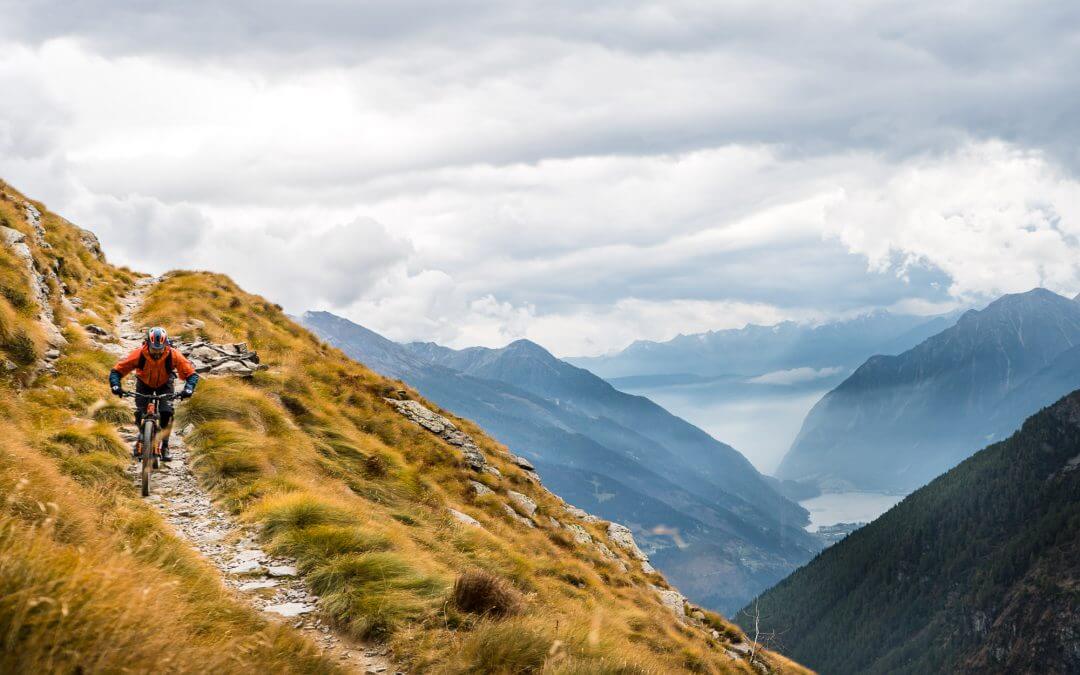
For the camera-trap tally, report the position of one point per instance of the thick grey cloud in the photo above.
(582, 175)
(812, 77)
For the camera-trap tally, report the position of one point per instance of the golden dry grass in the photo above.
(311, 452)
(91, 578)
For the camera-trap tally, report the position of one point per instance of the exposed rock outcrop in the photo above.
(444, 428)
(523, 508)
(39, 279)
(217, 359)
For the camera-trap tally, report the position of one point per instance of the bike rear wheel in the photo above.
(147, 456)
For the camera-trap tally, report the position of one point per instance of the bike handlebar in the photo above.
(157, 397)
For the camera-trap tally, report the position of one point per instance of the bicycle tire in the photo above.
(147, 456)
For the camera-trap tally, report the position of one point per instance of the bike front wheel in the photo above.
(147, 456)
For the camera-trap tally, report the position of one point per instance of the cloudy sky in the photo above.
(582, 175)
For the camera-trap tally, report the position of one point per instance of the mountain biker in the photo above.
(157, 364)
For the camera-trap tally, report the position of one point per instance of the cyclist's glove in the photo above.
(114, 383)
(189, 386)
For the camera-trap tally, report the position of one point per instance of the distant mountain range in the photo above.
(898, 421)
(757, 350)
(710, 521)
(978, 571)
(754, 386)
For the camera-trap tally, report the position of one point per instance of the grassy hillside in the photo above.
(979, 571)
(308, 452)
(91, 579)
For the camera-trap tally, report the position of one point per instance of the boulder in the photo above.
(673, 600)
(473, 457)
(509, 510)
(523, 502)
(624, 539)
(90, 243)
(579, 533)
(581, 514)
(204, 353)
(94, 329)
(464, 518)
(231, 368)
(11, 236)
(480, 489)
(522, 462)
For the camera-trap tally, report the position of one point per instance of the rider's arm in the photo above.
(122, 368)
(185, 371)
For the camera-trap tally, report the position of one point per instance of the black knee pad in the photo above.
(166, 418)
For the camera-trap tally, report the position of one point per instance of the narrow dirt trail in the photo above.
(269, 583)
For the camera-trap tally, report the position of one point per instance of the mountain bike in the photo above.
(148, 450)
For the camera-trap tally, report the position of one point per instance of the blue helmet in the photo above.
(157, 340)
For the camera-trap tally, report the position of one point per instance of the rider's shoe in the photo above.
(165, 456)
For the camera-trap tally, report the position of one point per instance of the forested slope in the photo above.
(978, 571)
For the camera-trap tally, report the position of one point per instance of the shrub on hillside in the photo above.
(478, 591)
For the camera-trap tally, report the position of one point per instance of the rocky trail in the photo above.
(269, 583)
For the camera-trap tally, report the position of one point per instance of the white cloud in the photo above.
(994, 218)
(583, 177)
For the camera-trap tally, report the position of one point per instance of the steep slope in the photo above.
(979, 571)
(383, 517)
(92, 579)
(900, 420)
(1049, 384)
(618, 456)
(755, 350)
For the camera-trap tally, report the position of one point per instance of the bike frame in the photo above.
(148, 434)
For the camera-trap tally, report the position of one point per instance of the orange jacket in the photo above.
(153, 372)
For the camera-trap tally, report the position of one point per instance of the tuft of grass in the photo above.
(505, 648)
(478, 591)
(83, 439)
(227, 453)
(94, 468)
(110, 412)
(296, 511)
(317, 543)
(371, 594)
(20, 348)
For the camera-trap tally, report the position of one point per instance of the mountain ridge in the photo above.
(907, 594)
(757, 349)
(924, 410)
